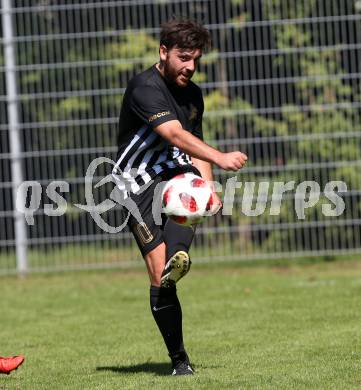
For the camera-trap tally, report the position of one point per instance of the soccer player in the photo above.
(160, 136)
(8, 364)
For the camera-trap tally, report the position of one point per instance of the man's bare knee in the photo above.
(155, 261)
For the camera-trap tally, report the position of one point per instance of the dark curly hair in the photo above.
(185, 34)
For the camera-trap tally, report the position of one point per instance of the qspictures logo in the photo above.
(255, 199)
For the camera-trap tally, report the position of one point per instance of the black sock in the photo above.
(167, 313)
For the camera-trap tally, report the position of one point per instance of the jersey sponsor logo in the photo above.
(159, 115)
(143, 233)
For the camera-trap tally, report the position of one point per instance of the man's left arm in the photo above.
(204, 167)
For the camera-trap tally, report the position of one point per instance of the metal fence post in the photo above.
(14, 135)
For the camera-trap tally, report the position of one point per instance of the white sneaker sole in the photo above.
(179, 265)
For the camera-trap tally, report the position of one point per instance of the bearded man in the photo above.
(160, 136)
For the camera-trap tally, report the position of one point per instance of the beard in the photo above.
(181, 79)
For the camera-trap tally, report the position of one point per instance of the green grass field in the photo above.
(263, 327)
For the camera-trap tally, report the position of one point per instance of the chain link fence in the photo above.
(282, 84)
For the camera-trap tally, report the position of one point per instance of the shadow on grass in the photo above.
(155, 368)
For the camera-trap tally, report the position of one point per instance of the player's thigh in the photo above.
(147, 231)
(155, 261)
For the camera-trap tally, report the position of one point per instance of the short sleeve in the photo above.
(151, 106)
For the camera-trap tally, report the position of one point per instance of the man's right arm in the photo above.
(173, 132)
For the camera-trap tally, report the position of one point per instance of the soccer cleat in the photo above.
(183, 369)
(181, 364)
(177, 266)
(8, 364)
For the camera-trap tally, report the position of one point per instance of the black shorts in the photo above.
(154, 227)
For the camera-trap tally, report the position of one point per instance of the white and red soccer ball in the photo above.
(188, 199)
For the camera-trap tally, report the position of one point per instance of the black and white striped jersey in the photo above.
(148, 102)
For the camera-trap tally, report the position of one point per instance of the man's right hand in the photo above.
(232, 161)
